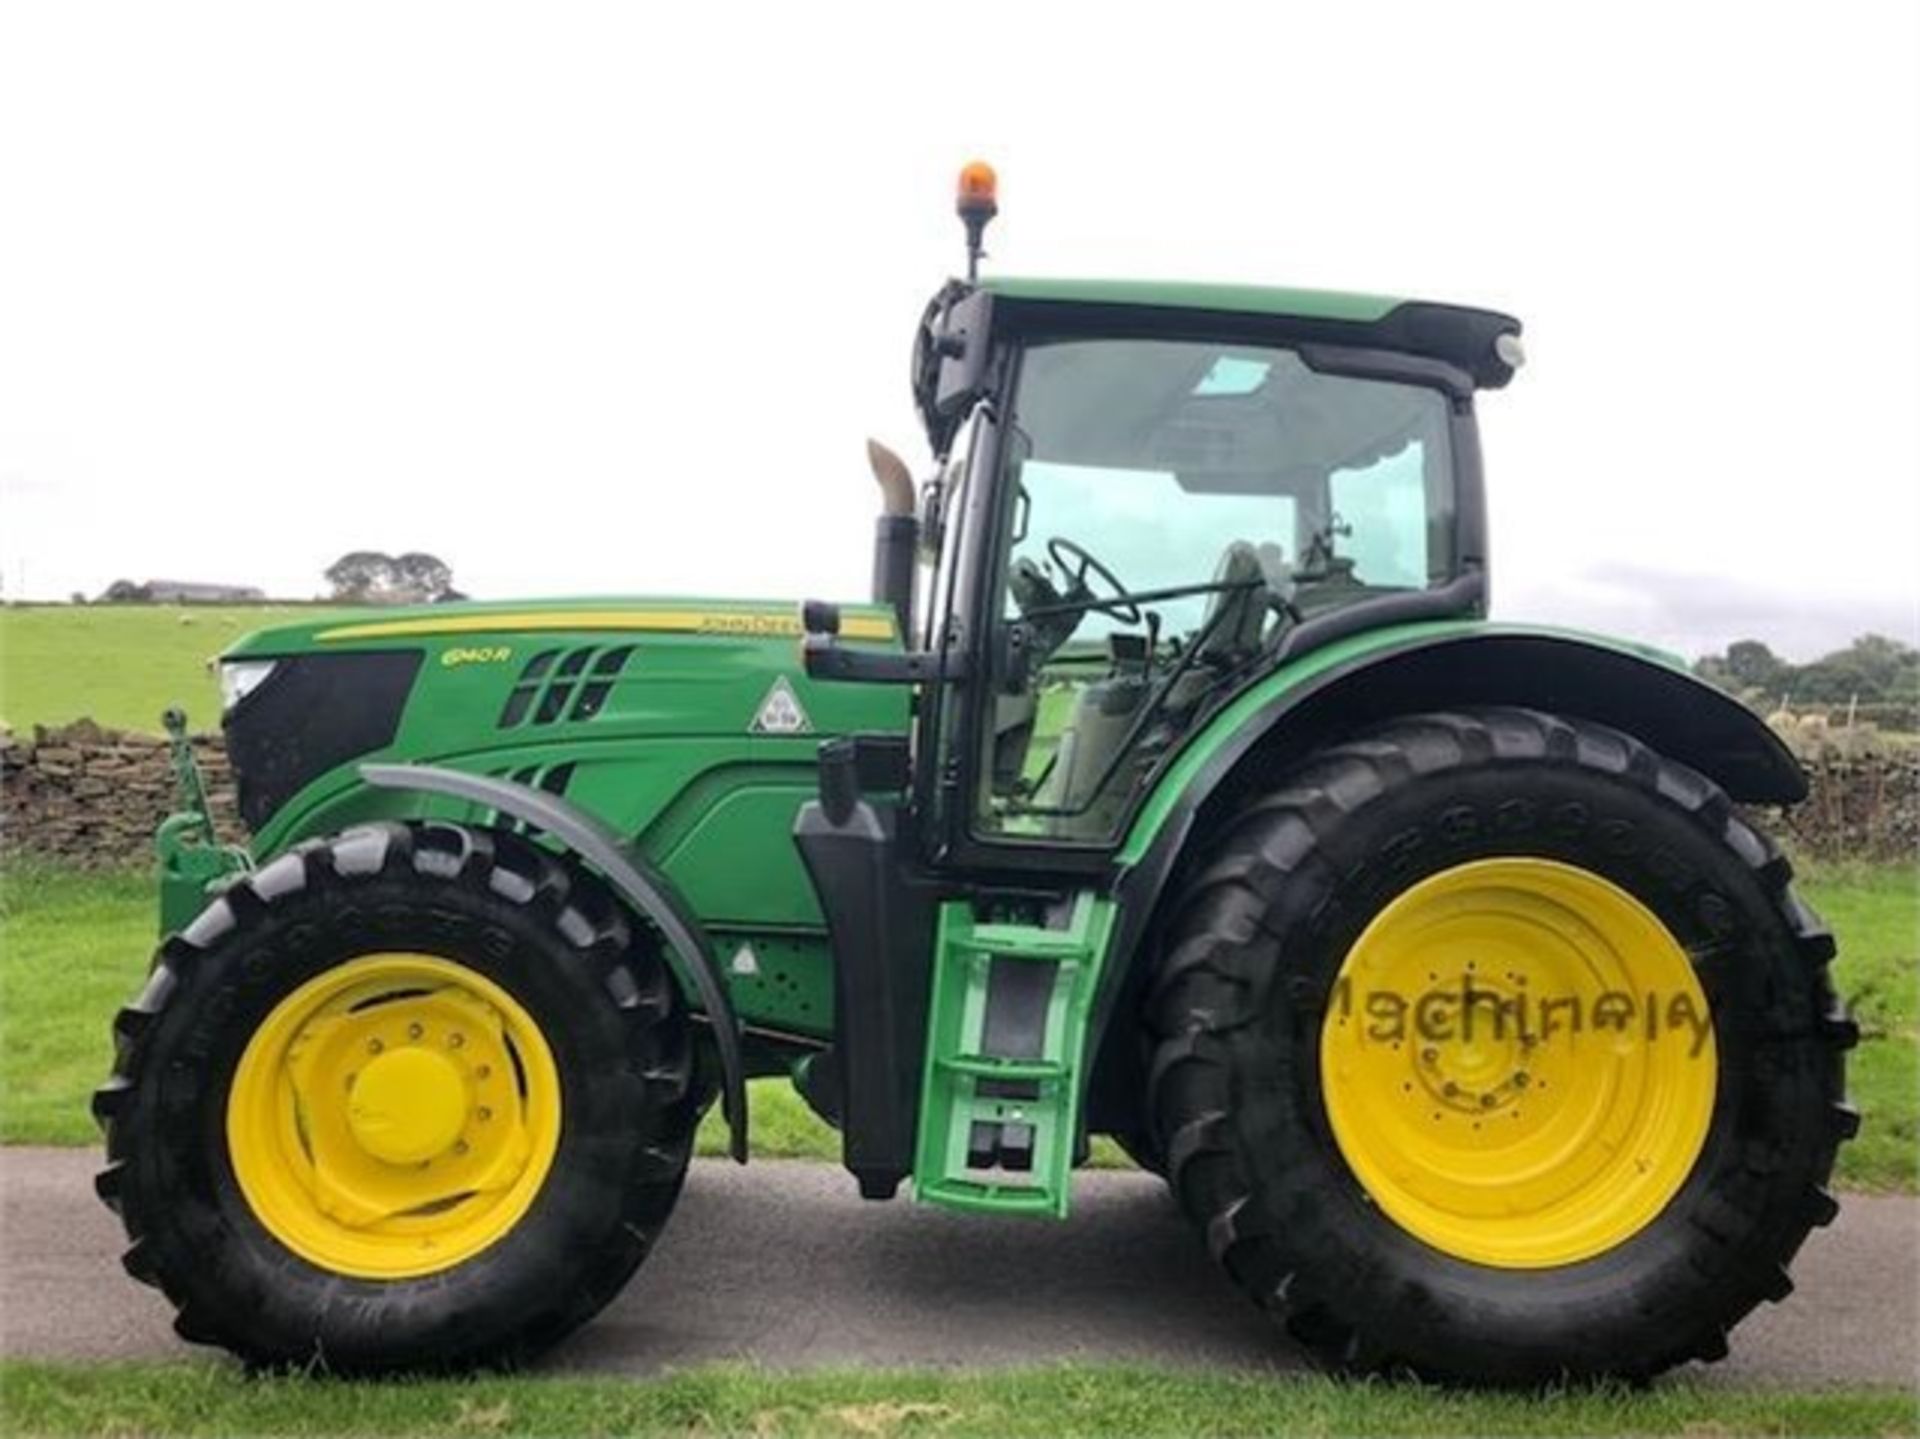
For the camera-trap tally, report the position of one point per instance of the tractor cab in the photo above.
(1169, 511)
(1146, 497)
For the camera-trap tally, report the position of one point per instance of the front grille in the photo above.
(570, 684)
(312, 713)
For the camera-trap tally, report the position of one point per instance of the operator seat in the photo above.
(1236, 618)
(1104, 712)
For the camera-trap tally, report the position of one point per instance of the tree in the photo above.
(363, 577)
(1753, 664)
(368, 577)
(1874, 671)
(425, 577)
(126, 592)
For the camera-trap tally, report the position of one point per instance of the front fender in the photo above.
(636, 881)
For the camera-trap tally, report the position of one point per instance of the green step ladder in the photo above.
(1007, 1028)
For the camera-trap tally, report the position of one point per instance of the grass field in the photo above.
(120, 665)
(1875, 913)
(120, 1400)
(75, 946)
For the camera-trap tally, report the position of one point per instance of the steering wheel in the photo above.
(1076, 564)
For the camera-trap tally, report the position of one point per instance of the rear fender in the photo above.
(1333, 693)
(1337, 691)
(636, 881)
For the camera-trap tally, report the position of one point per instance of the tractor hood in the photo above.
(501, 686)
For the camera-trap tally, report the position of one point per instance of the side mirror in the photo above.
(823, 657)
(962, 343)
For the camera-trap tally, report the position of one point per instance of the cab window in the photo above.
(1171, 509)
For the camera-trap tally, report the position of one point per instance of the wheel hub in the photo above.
(1476, 1076)
(408, 1105)
(1476, 1084)
(393, 1116)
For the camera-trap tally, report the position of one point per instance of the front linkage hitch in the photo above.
(193, 862)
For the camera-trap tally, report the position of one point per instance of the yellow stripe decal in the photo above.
(688, 622)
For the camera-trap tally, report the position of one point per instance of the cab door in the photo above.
(1147, 518)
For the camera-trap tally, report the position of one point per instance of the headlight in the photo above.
(240, 678)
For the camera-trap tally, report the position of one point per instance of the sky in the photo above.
(606, 299)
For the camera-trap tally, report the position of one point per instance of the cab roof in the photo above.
(1472, 340)
(1189, 295)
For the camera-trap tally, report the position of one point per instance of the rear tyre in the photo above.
(414, 1097)
(1487, 1207)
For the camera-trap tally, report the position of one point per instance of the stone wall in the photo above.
(84, 795)
(1858, 809)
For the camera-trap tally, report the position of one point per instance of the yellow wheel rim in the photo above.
(393, 1116)
(1518, 1063)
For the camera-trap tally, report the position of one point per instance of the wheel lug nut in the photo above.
(414, 1031)
(374, 1046)
(1450, 1089)
(1430, 1055)
(1522, 1079)
(460, 1146)
(481, 1071)
(1487, 1101)
(456, 1039)
(484, 1113)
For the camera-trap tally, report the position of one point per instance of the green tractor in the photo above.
(1172, 786)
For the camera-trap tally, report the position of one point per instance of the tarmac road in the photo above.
(781, 1264)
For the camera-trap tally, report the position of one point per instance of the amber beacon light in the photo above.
(977, 202)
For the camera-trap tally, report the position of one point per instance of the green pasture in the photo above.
(119, 665)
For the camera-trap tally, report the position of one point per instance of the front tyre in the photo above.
(1496, 1048)
(412, 1098)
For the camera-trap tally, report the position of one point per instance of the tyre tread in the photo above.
(576, 907)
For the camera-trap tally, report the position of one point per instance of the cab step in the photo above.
(1000, 1112)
